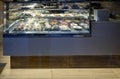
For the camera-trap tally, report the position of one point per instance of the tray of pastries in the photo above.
(32, 24)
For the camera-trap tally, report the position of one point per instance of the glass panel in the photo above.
(38, 18)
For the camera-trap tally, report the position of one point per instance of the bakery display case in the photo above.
(47, 19)
(28, 26)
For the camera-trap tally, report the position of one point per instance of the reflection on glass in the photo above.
(39, 18)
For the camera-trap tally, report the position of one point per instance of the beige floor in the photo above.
(80, 73)
(83, 73)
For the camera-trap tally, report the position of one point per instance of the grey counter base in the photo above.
(105, 40)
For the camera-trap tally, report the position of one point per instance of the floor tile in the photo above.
(74, 78)
(72, 74)
(116, 71)
(107, 78)
(105, 74)
(27, 73)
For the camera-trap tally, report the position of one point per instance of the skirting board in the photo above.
(103, 61)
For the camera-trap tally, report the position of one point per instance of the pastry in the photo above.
(75, 6)
(66, 7)
(53, 22)
(77, 27)
(55, 28)
(64, 27)
(73, 24)
(47, 26)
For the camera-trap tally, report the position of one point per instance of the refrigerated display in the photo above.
(47, 18)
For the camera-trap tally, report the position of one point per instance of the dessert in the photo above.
(53, 22)
(75, 26)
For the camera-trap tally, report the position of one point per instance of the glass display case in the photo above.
(47, 18)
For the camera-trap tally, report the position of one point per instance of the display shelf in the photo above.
(39, 18)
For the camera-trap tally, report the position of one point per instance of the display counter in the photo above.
(60, 41)
(33, 29)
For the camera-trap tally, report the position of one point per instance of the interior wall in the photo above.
(1, 12)
(112, 6)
